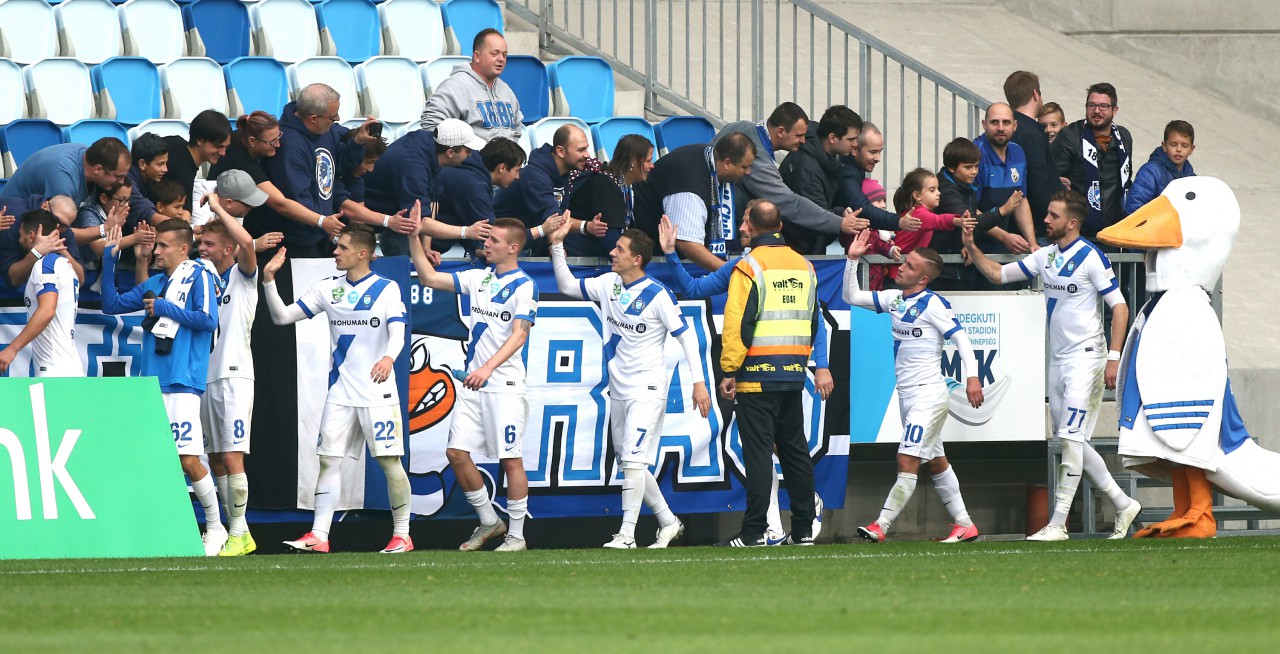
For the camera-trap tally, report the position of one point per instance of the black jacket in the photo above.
(814, 174)
(851, 195)
(958, 199)
(1069, 160)
(1042, 174)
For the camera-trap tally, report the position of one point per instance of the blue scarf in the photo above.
(1093, 181)
(722, 228)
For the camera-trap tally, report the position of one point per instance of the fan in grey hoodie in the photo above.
(476, 95)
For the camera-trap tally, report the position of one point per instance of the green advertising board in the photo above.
(88, 469)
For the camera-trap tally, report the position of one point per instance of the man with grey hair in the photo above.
(854, 169)
(308, 167)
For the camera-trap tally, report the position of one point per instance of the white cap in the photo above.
(238, 185)
(453, 133)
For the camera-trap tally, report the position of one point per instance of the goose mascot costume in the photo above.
(1178, 417)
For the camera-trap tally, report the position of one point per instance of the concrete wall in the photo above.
(1226, 49)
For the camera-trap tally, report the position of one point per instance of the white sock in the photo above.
(398, 493)
(657, 503)
(899, 495)
(1068, 480)
(948, 487)
(1095, 468)
(207, 493)
(224, 494)
(328, 488)
(773, 517)
(238, 491)
(484, 508)
(517, 510)
(632, 496)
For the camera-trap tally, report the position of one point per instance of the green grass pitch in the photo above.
(1079, 596)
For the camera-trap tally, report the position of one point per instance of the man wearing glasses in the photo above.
(71, 169)
(1095, 156)
(97, 217)
(308, 168)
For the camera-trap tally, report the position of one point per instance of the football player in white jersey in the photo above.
(1075, 274)
(52, 294)
(227, 406)
(490, 413)
(922, 321)
(367, 325)
(639, 313)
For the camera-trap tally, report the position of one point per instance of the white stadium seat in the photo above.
(440, 68)
(335, 72)
(13, 92)
(192, 85)
(153, 30)
(28, 31)
(89, 30)
(285, 29)
(391, 89)
(59, 90)
(160, 127)
(541, 132)
(412, 28)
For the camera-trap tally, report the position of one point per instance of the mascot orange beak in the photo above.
(1156, 225)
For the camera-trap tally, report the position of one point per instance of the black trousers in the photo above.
(766, 420)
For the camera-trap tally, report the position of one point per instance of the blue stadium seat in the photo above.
(13, 92)
(541, 132)
(582, 87)
(439, 69)
(217, 29)
(59, 89)
(152, 29)
(607, 133)
(285, 29)
(413, 29)
(192, 85)
(89, 30)
(88, 131)
(28, 31)
(349, 29)
(128, 89)
(463, 19)
(255, 83)
(527, 76)
(678, 131)
(160, 127)
(335, 72)
(391, 89)
(21, 138)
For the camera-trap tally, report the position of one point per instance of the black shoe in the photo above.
(805, 541)
(743, 541)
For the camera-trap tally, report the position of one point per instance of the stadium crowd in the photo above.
(301, 182)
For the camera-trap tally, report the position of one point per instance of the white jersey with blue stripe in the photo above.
(359, 313)
(497, 302)
(53, 352)
(1074, 279)
(237, 307)
(637, 318)
(922, 322)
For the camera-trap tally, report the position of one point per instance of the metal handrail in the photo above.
(714, 58)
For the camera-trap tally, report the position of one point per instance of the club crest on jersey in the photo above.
(913, 312)
(324, 173)
(338, 293)
(1014, 175)
(367, 301)
(639, 305)
(1071, 267)
(506, 293)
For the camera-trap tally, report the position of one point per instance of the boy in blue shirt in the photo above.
(1167, 163)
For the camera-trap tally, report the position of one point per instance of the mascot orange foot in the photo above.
(1192, 515)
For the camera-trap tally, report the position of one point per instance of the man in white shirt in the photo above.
(638, 313)
(1076, 275)
(367, 324)
(490, 413)
(52, 294)
(922, 321)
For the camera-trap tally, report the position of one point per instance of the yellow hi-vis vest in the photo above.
(781, 329)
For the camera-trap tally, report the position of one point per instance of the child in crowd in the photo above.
(919, 196)
(881, 242)
(169, 198)
(1167, 163)
(1052, 118)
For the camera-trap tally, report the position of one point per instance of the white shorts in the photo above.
(636, 425)
(183, 410)
(225, 414)
(58, 368)
(924, 411)
(492, 423)
(344, 429)
(1075, 396)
